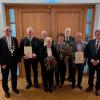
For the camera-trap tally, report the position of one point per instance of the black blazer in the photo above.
(43, 54)
(26, 42)
(91, 51)
(71, 40)
(5, 54)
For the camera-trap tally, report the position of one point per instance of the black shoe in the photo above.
(7, 94)
(61, 86)
(46, 90)
(36, 86)
(50, 90)
(69, 79)
(98, 92)
(89, 89)
(80, 87)
(16, 91)
(28, 86)
(73, 86)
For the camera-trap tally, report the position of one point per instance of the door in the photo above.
(53, 18)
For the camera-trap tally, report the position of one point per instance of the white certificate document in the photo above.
(79, 57)
(28, 51)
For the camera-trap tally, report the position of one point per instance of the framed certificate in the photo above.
(28, 51)
(79, 57)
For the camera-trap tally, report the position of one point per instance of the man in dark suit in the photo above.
(30, 41)
(70, 40)
(93, 55)
(9, 60)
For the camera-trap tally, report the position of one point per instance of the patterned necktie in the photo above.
(97, 46)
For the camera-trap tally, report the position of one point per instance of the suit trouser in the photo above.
(48, 79)
(80, 74)
(92, 70)
(5, 74)
(34, 64)
(70, 65)
(42, 72)
(60, 73)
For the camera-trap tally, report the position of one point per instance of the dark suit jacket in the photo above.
(26, 42)
(71, 40)
(91, 51)
(43, 54)
(6, 57)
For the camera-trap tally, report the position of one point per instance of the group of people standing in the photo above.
(51, 55)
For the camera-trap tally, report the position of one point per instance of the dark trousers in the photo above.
(80, 74)
(60, 73)
(71, 66)
(48, 79)
(5, 73)
(34, 64)
(42, 72)
(92, 70)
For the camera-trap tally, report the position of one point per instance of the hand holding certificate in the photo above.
(28, 51)
(79, 57)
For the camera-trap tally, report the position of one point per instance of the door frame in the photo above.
(16, 7)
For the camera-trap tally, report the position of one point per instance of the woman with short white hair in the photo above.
(48, 58)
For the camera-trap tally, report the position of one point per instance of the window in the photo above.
(13, 26)
(12, 21)
(88, 24)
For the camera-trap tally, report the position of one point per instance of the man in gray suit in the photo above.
(79, 46)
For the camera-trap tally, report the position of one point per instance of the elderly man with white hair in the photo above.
(42, 43)
(78, 47)
(49, 58)
(30, 60)
(9, 52)
(69, 40)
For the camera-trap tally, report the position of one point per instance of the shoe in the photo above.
(16, 91)
(50, 90)
(28, 86)
(73, 86)
(80, 87)
(69, 79)
(46, 90)
(98, 92)
(36, 86)
(61, 86)
(89, 89)
(7, 94)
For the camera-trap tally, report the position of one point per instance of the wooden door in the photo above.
(38, 18)
(54, 19)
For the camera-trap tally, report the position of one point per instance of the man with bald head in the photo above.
(30, 41)
(69, 40)
(9, 60)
